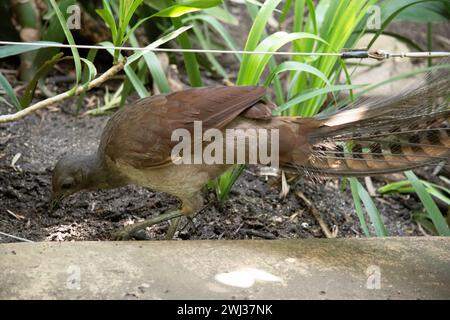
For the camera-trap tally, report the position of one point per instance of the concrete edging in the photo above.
(410, 268)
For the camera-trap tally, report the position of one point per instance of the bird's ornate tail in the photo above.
(393, 134)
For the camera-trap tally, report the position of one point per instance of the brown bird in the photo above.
(376, 137)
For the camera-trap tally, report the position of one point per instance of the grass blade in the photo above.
(170, 36)
(251, 70)
(358, 207)
(190, 59)
(158, 75)
(12, 50)
(226, 181)
(69, 37)
(40, 73)
(180, 9)
(220, 30)
(216, 66)
(129, 71)
(295, 66)
(372, 210)
(313, 93)
(255, 35)
(431, 207)
(9, 91)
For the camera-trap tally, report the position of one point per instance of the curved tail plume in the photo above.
(398, 133)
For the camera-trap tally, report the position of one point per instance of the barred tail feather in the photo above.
(395, 134)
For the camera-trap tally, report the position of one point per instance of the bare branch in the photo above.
(60, 97)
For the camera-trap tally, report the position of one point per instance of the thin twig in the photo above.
(17, 216)
(370, 187)
(317, 216)
(65, 95)
(15, 237)
(257, 233)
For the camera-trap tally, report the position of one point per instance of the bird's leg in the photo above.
(128, 231)
(190, 226)
(190, 204)
(174, 223)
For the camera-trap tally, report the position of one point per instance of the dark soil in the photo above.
(254, 209)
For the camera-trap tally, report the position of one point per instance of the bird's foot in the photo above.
(174, 223)
(128, 232)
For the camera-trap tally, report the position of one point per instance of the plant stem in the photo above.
(65, 95)
(190, 60)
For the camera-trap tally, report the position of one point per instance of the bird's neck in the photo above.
(99, 175)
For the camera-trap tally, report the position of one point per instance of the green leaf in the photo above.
(108, 18)
(137, 55)
(133, 29)
(404, 186)
(226, 181)
(255, 34)
(76, 55)
(40, 73)
(295, 66)
(12, 50)
(9, 91)
(252, 68)
(190, 59)
(335, 22)
(314, 93)
(372, 210)
(178, 10)
(204, 43)
(358, 207)
(431, 207)
(435, 192)
(158, 75)
(394, 186)
(425, 222)
(52, 32)
(285, 11)
(91, 71)
(131, 75)
(110, 102)
(218, 28)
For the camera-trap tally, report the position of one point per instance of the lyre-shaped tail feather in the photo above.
(394, 134)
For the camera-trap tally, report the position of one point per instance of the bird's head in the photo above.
(70, 175)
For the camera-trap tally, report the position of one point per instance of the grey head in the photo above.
(75, 173)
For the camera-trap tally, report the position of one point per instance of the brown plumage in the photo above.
(390, 135)
(395, 134)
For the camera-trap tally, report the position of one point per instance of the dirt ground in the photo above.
(254, 209)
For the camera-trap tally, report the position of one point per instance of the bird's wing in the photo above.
(140, 134)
